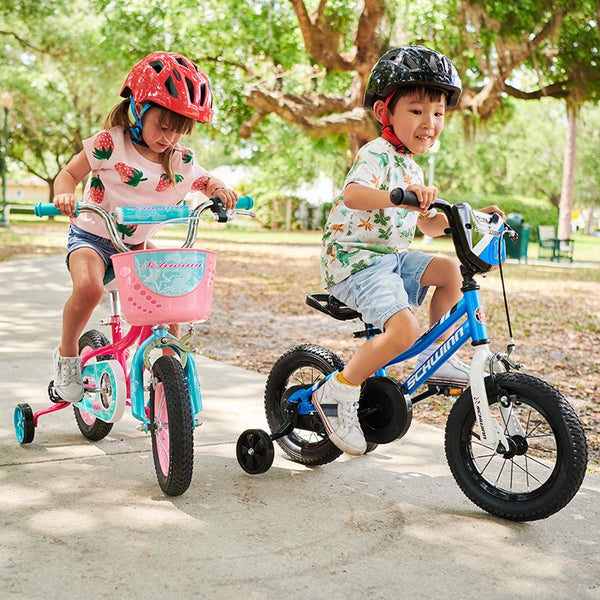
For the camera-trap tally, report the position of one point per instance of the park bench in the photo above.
(549, 246)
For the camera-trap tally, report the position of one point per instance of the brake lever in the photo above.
(219, 209)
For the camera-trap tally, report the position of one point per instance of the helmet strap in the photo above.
(387, 133)
(136, 130)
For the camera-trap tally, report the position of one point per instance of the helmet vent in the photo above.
(182, 62)
(177, 75)
(170, 87)
(157, 65)
(190, 87)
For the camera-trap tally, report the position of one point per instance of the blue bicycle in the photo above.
(513, 443)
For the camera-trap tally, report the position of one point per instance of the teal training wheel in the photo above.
(24, 424)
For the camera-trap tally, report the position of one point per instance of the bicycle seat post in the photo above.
(115, 303)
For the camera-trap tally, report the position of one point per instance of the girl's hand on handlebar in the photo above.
(227, 196)
(66, 203)
(426, 196)
(493, 209)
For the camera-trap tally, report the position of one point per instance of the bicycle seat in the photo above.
(331, 306)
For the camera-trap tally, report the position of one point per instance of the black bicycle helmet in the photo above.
(412, 66)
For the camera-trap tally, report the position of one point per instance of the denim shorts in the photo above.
(381, 290)
(78, 238)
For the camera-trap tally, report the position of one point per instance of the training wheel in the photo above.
(255, 452)
(24, 424)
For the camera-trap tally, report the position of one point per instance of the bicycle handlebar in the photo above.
(151, 214)
(410, 199)
(154, 214)
(473, 232)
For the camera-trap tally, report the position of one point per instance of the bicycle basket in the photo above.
(478, 241)
(165, 286)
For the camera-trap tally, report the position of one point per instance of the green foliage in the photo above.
(66, 74)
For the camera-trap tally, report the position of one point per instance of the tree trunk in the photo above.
(565, 207)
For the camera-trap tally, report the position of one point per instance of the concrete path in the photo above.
(88, 520)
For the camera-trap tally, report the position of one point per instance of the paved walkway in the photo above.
(87, 520)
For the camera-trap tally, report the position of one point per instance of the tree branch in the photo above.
(555, 90)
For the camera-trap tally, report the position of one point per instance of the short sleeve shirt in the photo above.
(354, 239)
(121, 176)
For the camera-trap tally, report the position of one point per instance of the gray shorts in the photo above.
(386, 287)
(78, 238)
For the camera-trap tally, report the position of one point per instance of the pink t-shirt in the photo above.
(121, 176)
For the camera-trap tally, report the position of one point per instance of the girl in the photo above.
(135, 160)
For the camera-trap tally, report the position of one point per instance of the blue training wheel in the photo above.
(24, 424)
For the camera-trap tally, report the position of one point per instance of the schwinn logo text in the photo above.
(477, 405)
(153, 264)
(454, 339)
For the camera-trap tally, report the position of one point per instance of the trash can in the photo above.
(518, 248)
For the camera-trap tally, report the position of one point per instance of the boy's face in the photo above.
(417, 120)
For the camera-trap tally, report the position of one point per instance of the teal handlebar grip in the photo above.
(244, 203)
(46, 209)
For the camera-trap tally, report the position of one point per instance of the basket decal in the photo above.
(170, 273)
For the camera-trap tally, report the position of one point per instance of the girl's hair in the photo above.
(120, 116)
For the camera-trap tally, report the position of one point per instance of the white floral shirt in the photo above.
(354, 239)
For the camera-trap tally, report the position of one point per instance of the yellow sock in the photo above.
(341, 379)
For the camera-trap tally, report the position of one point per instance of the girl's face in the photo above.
(416, 119)
(157, 133)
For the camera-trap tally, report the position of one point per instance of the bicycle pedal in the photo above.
(445, 388)
(54, 397)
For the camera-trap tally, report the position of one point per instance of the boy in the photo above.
(365, 261)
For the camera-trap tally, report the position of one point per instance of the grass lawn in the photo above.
(27, 230)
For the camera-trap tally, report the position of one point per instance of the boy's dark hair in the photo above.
(430, 94)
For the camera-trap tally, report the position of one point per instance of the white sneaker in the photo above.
(68, 382)
(337, 405)
(453, 371)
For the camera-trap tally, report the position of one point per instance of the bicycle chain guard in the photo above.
(105, 390)
(384, 411)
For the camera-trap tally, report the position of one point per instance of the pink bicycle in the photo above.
(155, 287)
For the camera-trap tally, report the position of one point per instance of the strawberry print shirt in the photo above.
(354, 239)
(121, 176)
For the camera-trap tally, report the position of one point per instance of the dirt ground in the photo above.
(259, 312)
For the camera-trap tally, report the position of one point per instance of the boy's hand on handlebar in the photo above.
(228, 197)
(493, 209)
(66, 203)
(426, 196)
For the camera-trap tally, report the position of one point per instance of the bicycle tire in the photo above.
(91, 427)
(303, 365)
(172, 426)
(542, 470)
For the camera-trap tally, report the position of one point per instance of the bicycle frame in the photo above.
(469, 314)
(146, 338)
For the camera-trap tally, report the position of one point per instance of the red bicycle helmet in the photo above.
(172, 81)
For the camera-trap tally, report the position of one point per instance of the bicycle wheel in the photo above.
(171, 426)
(91, 427)
(543, 468)
(301, 366)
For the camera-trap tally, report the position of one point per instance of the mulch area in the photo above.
(259, 312)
